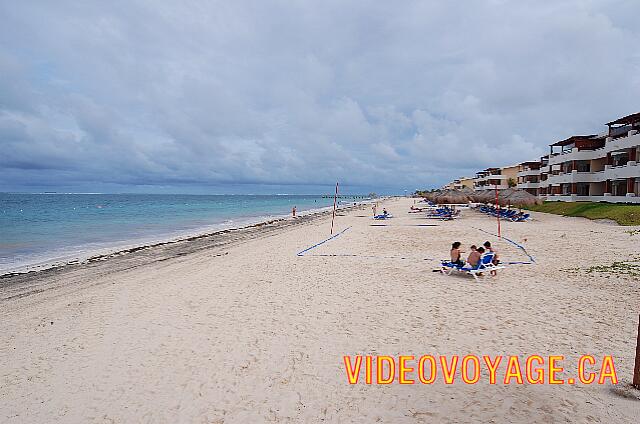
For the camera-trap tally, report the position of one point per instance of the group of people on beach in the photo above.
(374, 208)
(474, 255)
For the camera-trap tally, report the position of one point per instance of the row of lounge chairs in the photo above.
(443, 213)
(434, 211)
(485, 265)
(510, 214)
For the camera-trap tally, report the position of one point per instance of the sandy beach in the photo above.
(238, 328)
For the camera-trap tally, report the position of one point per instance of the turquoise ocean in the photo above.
(37, 230)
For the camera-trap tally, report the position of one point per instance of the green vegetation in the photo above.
(630, 268)
(622, 214)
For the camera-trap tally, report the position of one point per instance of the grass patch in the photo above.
(622, 214)
(629, 268)
(618, 268)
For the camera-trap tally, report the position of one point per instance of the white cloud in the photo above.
(404, 94)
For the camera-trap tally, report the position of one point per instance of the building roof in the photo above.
(573, 139)
(629, 119)
(533, 162)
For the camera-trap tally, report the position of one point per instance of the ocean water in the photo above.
(37, 230)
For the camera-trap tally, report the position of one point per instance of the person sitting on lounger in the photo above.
(456, 254)
(474, 256)
(489, 248)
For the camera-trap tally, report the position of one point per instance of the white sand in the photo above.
(258, 334)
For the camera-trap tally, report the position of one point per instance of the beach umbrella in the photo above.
(469, 192)
(504, 195)
(523, 198)
(485, 196)
(431, 195)
(449, 197)
(477, 196)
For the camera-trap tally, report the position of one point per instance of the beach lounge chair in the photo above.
(522, 218)
(443, 217)
(485, 265)
(443, 213)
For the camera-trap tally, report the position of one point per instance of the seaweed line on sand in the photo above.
(630, 267)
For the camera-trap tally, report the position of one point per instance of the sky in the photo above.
(291, 96)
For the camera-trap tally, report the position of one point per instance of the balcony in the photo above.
(576, 177)
(491, 187)
(528, 185)
(529, 172)
(611, 145)
(606, 198)
(630, 170)
(490, 177)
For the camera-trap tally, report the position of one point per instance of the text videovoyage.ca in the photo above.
(470, 369)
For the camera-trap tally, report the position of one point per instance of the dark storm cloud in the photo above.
(397, 94)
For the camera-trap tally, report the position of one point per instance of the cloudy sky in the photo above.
(290, 96)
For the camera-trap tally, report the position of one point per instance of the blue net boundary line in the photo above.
(350, 255)
(519, 246)
(301, 253)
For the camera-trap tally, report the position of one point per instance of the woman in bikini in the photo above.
(456, 254)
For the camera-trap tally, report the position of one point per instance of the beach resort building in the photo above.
(529, 177)
(545, 170)
(496, 178)
(459, 184)
(593, 167)
(466, 182)
(598, 167)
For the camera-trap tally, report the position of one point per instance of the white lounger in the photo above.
(484, 265)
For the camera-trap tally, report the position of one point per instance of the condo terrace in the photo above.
(592, 167)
